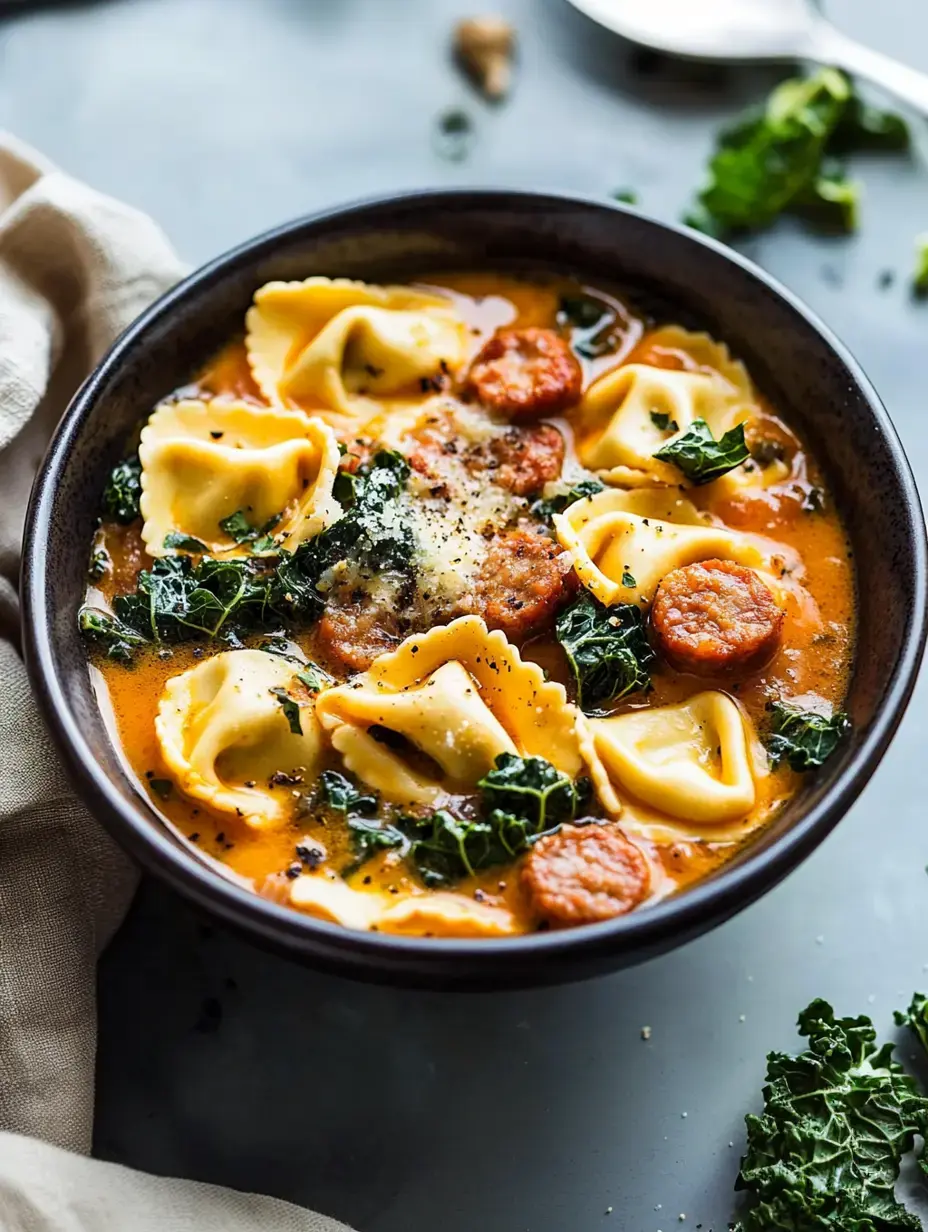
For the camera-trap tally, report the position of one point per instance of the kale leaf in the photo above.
(663, 422)
(593, 324)
(176, 541)
(521, 799)
(291, 708)
(546, 509)
(313, 677)
(779, 156)
(122, 491)
(530, 788)
(368, 836)
(607, 650)
(237, 527)
(701, 457)
(444, 848)
(837, 1121)
(340, 794)
(110, 635)
(916, 1018)
(804, 739)
(101, 564)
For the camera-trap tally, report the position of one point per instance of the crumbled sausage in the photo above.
(584, 874)
(525, 373)
(522, 459)
(715, 617)
(524, 579)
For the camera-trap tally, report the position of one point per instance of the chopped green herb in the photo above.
(122, 491)
(700, 456)
(161, 787)
(837, 1121)
(607, 649)
(117, 640)
(830, 201)
(313, 677)
(803, 739)
(290, 708)
(547, 508)
(628, 578)
(101, 564)
(663, 422)
(627, 196)
(864, 127)
(920, 281)
(178, 542)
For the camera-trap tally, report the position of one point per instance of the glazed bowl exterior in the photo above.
(674, 273)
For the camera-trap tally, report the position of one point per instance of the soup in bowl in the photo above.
(495, 607)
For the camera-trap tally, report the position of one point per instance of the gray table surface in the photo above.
(521, 1112)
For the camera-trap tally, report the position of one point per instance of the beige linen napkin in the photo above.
(75, 269)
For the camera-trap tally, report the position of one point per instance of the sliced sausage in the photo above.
(525, 373)
(523, 459)
(715, 617)
(524, 579)
(583, 874)
(352, 634)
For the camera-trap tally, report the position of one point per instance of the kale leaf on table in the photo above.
(825, 1153)
(803, 739)
(920, 280)
(700, 457)
(122, 491)
(607, 649)
(780, 156)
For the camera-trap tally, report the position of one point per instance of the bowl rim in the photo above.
(354, 952)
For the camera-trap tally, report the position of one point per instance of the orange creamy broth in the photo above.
(814, 657)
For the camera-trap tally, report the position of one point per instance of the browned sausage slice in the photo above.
(584, 874)
(525, 373)
(524, 459)
(524, 579)
(715, 617)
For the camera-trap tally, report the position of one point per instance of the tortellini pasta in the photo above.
(350, 349)
(205, 460)
(441, 913)
(623, 542)
(223, 733)
(445, 704)
(633, 411)
(690, 761)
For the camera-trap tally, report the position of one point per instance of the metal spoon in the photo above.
(753, 30)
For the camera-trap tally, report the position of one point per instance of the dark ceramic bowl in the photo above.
(676, 273)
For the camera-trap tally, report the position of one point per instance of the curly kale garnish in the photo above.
(803, 739)
(825, 1153)
(701, 457)
(122, 491)
(607, 649)
(916, 1018)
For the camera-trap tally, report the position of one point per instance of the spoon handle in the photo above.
(830, 46)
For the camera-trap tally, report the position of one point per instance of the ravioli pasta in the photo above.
(459, 696)
(404, 625)
(624, 542)
(349, 348)
(203, 461)
(224, 734)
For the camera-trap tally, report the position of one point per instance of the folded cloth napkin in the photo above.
(75, 269)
